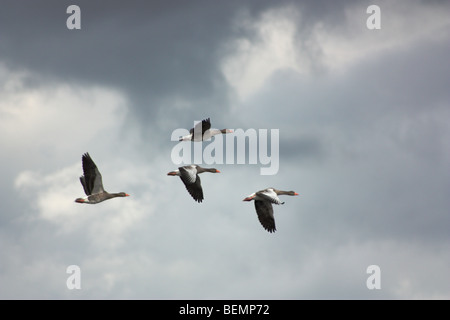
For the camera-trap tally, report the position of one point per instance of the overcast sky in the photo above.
(363, 119)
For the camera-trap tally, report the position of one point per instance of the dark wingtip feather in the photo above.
(197, 196)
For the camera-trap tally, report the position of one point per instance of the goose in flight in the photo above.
(92, 183)
(202, 131)
(263, 205)
(190, 177)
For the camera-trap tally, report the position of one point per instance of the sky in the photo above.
(363, 122)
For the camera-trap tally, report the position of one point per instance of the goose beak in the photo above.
(248, 199)
(217, 171)
(127, 195)
(172, 173)
(296, 194)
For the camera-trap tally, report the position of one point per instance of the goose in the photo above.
(263, 205)
(190, 177)
(206, 132)
(93, 185)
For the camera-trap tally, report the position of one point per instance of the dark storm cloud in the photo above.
(145, 48)
(153, 50)
(365, 148)
(150, 49)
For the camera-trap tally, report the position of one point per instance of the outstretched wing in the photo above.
(92, 179)
(200, 127)
(264, 210)
(85, 187)
(192, 182)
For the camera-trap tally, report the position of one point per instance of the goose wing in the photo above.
(202, 127)
(192, 182)
(85, 187)
(264, 210)
(92, 179)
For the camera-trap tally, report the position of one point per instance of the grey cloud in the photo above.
(366, 150)
(153, 50)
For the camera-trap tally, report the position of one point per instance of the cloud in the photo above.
(401, 27)
(362, 119)
(270, 46)
(49, 116)
(280, 40)
(52, 199)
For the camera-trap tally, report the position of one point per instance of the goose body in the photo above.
(202, 131)
(190, 177)
(92, 183)
(263, 205)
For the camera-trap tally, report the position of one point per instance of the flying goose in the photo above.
(263, 205)
(93, 185)
(202, 131)
(190, 177)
